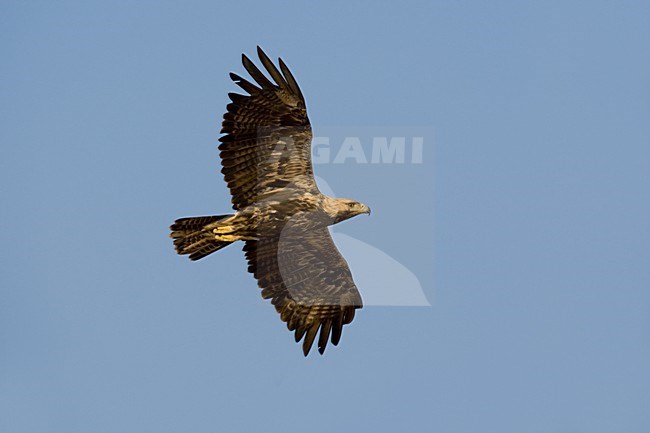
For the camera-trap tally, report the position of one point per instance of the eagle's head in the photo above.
(341, 209)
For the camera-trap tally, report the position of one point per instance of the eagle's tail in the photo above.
(194, 236)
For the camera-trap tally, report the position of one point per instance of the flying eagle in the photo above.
(280, 214)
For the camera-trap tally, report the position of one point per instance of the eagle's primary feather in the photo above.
(280, 214)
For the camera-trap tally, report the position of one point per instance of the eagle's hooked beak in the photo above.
(365, 209)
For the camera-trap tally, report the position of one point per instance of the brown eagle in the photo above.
(280, 214)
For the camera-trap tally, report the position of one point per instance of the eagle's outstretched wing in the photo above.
(267, 145)
(308, 282)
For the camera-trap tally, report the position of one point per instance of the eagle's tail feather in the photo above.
(191, 236)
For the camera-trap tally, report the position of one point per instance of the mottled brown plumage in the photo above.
(280, 214)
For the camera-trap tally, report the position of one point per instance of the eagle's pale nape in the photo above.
(280, 214)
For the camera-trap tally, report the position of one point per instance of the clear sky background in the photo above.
(531, 238)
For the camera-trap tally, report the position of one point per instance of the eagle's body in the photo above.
(280, 213)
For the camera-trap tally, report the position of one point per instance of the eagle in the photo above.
(280, 214)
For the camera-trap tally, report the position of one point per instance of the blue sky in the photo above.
(526, 224)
